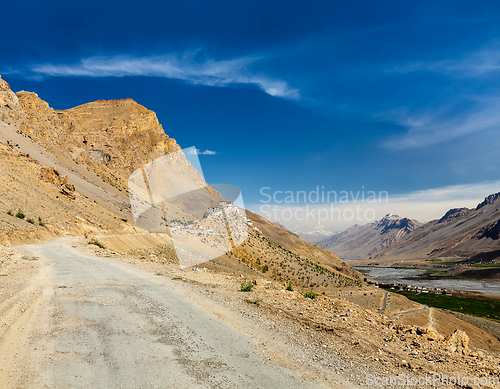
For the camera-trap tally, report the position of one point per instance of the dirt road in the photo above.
(99, 323)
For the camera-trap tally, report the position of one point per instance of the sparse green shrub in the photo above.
(97, 243)
(246, 286)
(289, 287)
(265, 269)
(30, 221)
(124, 220)
(10, 213)
(20, 214)
(310, 295)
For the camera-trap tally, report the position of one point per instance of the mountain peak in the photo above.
(391, 216)
(488, 200)
(392, 221)
(366, 240)
(453, 214)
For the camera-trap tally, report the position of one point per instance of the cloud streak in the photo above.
(476, 64)
(434, 128)
(208, 72)
(199, 152)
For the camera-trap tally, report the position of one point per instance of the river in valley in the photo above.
(400, 276)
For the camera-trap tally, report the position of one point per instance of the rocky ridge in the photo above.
(461, 233)
(113, 138)
(368, 240)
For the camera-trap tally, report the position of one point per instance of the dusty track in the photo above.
(83, 321)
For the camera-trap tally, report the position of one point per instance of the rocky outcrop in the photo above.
(52, 176)
(491, 231)
(121, 134)
(458, 342)
(488, 200)
(7, 97)
(40, 120)
(113, 138)
(453, 214)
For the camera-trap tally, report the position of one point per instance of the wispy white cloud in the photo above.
(194, 151)
(476, 64)
(185, 67)
(437, 127)
(469, 192)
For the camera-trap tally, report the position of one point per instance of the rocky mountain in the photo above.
(488, 201)
(472, 233)
(65, 172)
(461, 234)
(112, 137)
(370, 239)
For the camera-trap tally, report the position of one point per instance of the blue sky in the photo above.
(393, 96)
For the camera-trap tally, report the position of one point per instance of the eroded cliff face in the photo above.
(113, 138)
(120, 133)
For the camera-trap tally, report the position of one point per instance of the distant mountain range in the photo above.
(315, 236)
(460, 233)
(365, 241)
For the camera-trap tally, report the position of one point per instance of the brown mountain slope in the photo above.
(37, 203)
(370, 239)
(304, 249)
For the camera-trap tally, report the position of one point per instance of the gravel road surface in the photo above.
(105, 324)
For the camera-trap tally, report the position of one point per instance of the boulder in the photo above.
(458, 342)
(52, 176)
(432, 334)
